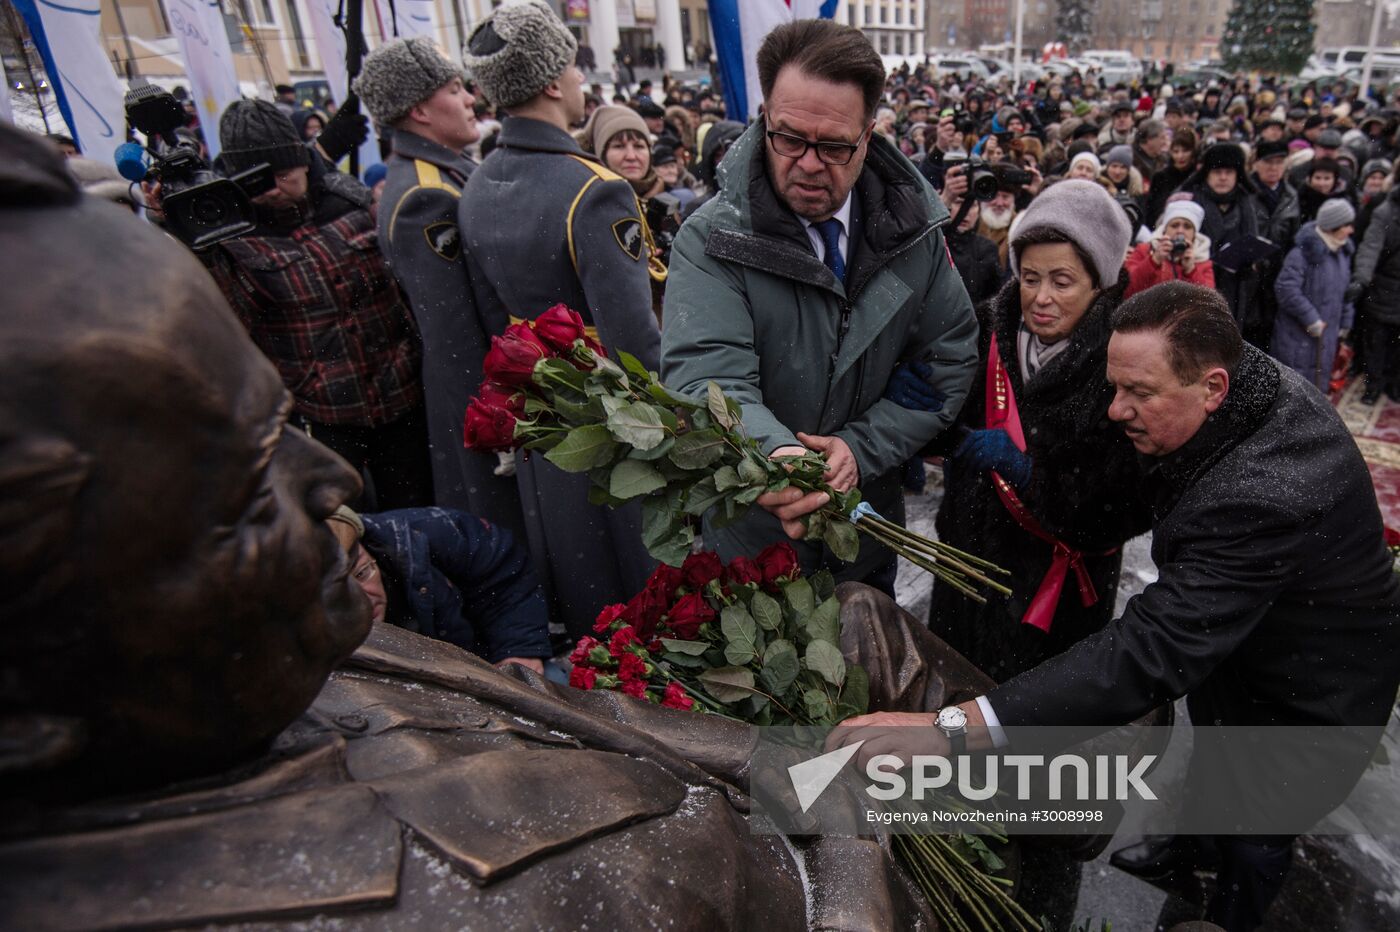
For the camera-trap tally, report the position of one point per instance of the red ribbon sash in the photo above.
(1002, 414)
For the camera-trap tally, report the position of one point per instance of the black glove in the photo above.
(1354, 291)
(908, 387)
(345, 131)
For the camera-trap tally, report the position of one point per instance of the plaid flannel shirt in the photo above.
(320, 302)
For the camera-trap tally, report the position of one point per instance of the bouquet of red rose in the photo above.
(758, 642)
(753, 640)
(550, 388)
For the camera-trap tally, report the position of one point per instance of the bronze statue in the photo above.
(175, 749)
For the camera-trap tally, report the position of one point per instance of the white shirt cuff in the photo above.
(989, 716)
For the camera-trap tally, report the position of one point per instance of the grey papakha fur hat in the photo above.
(401, 74)
(517, 51)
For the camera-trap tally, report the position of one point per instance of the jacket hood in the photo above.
(724, 132)
(1314, 249)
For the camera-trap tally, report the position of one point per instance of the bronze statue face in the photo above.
(170, 595)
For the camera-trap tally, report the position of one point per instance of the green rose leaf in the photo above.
(825, 658)
(637, 424)
(766, 611)
(702, 497)
(689, 648)
(819, 707)
(728, 684)
(799, 595)
(824, 623)
(698, 449)
(752, 473)
(633, 365)
(843, 539)
(823, 585)
(583, 448)
(727, 478)
(633, 478)
(780, 667)
(655, 453)
(741, 633)
(855, 694)
(715, 403)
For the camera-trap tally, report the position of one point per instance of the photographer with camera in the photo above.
(309, 283)
(1178, 251)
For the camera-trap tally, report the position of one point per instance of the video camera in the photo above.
(984, 179)
(201, 208)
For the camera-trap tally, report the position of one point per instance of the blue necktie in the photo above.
(830, 231)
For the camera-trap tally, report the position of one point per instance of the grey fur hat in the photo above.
(401, 74)
(1084, 213)
(517, 51)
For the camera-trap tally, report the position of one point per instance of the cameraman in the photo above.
(316, 295)
(1178, 251)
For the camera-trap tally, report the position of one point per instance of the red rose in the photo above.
(488, 427)
(645, 609)
(502, 396)
(617, 645)
(743, 571)
(637, 689)
(581, 650)
(665, 581)
(559, 327)
(583, 677)
(700, 568)
(606, 618)
(676, 697)
(688, 614)
(1392, 537)
(631, 667)
(778, 562)
(512, 357)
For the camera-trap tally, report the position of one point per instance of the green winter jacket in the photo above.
(750, 306)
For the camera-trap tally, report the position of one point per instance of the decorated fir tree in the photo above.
(1074, 24)
(1273, 36)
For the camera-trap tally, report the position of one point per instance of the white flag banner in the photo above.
(69, 38)
(412, 18)
(7, 113)
(199, 25)
(330, 42)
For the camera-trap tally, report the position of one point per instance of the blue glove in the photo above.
(909, 388)
(993, 449)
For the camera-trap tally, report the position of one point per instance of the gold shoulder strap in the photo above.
(655, 269)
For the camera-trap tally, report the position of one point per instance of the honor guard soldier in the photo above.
(417, 92)
(545, 223)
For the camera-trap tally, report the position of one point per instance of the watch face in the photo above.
(952, 717)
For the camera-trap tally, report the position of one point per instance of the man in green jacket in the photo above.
(817, 271)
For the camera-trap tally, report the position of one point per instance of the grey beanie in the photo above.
(401, 74)
(517, 51)
(1335, 213)
(1120, 155)
(254, 131)
(1085, 213)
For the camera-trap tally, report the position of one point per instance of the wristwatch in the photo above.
(952, 721)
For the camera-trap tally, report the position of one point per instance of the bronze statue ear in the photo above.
(31, 742)
(40, 479)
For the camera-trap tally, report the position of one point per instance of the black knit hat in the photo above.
(1270, 150)
(255, 131)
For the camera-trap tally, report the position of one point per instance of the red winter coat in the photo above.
(1143, 273)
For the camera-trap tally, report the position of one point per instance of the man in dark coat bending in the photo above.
(1277, 603)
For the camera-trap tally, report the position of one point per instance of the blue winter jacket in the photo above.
(460, 579)
(1311, 287)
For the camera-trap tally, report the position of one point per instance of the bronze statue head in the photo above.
(170, 595)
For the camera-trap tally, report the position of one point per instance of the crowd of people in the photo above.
(855, 267)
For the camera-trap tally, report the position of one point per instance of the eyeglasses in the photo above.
(365, 573)
(795, 147)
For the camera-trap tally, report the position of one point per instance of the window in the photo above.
(303, 55)
(1210, 29)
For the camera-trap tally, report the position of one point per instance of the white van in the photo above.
(1117, 67)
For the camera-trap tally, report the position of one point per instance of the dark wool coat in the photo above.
(1277, 603)
(1377, 265)
(1310, 287)
(1083, 489)
(1243, 219)
(976, 260)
